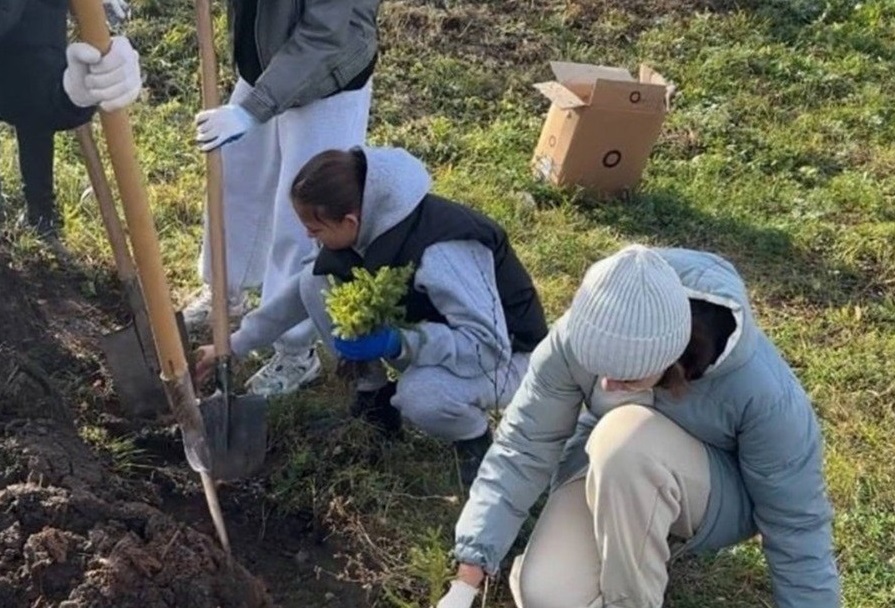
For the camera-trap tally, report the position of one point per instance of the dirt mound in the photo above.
(72, 532)
(67, 548)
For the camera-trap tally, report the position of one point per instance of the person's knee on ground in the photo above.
(456, 409)
(453, 408)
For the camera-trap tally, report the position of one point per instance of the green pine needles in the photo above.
(369, 301)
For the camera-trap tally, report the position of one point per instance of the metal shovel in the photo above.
(236, 426)
(139, 387)
(175, 375)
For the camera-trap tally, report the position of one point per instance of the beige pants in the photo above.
(604, 540)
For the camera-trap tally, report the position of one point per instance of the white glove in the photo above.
(111, 80)
(117, 11)
(214, 128)
(460, 595)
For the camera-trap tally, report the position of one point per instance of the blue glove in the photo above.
(384, 343)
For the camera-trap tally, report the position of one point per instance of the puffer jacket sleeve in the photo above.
(306, 59)
(526, 450)
(781, 461)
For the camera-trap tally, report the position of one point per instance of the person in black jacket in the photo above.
(47, 85)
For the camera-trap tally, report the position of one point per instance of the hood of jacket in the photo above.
(395, 185)
(709, 277)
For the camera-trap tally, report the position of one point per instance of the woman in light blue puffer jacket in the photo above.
(694, 435)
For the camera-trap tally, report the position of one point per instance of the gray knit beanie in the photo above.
(630, 318)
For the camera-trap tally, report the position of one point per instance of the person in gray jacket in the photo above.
(305, 69)
(695, 435)
(473, 312)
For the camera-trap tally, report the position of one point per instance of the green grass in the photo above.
(121, 451)
(779, 154)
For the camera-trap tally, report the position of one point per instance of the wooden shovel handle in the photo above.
(114, 230)
(91, 20)
(214, 170)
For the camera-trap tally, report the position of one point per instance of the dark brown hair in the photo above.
(712, 325)
(332, 183)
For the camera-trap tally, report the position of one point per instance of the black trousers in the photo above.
(36, 164)
(33, 101)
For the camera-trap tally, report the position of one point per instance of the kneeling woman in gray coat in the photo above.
(696, 435)
(473, 311)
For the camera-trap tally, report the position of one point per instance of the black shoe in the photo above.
(375, 408)
(46, 228)
(470, 453)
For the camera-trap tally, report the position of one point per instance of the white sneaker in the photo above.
(285, 373)
(197, 314)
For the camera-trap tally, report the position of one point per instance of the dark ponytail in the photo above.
(331, 183)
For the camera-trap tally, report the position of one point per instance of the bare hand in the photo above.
(471, 575)
(205, 361)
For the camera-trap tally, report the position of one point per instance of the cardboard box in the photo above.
(601, 126)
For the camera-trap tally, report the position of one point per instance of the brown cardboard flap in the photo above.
(581, 78)
(567, 73)
(560, 95)
(629, 96)
(651, 76)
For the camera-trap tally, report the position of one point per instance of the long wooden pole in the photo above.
(91, 20)
(214, 184)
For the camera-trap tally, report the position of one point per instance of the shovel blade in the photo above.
(133, 363)
(135, 374)
(236, 429)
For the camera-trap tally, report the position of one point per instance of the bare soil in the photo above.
(77, 532)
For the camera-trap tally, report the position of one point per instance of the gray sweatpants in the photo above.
(431, 398)
(266, 243)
